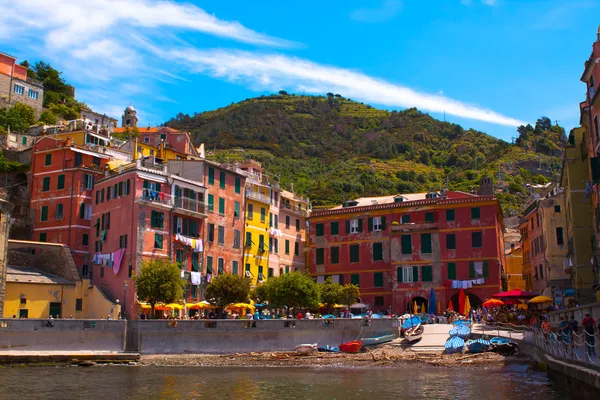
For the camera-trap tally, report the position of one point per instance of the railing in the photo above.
(408, 226)
(294, 209)
(189, 204)
(165, 199)
(156, 197)
(258, 196)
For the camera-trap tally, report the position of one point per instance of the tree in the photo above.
(48, 117)
(19, 117)
(330, 293)
(159, 281)
(260, 294)
(292, 290)
(227, 289)
(350, 293)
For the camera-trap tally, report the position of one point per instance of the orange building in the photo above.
(16, 87)
(293, 212)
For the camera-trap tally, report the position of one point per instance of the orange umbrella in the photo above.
(450, 306)
(461, 302)
(493, 303)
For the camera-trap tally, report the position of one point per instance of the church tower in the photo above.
(129, 117)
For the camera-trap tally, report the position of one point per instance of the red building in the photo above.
(62, 180)
(397, 248)
(176, 140)
(147, 210)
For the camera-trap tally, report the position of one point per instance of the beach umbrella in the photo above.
(239, 306)
(515, 294)
(450, 306)
(461, 302)
(145, 306)
(509, 301)
(540, 300)
(467, 305)
(201, 305)
(172, 306)
(493, 303)
(432, 303)
(415, 308)
(439, 308)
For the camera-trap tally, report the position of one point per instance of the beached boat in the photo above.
(503, 346)
(454, 345)
(462, 322)
(306, 348)
(477, 346)
(499, 340)
(378, 340)
(351, 347)
(329, 349)
(462, 331)
(411, 322)
(414, 334)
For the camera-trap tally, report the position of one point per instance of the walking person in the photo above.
(589, 327)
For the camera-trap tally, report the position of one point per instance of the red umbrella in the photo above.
(493, 303)
(450, 306)
(515, 294)
(461, 302)
(510, 301)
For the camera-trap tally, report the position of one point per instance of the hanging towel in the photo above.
(118, 257)
(335, 278)
(464, 285)
(479, 268)
(196, 278)
(469, 284)
(208, 278)
(198, 246)
(182, 273)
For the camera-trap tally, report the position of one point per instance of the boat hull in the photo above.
(351, 347)
(454, 345)
(306, 348)
(329, 349)
(378, 340)
(415, 334)
(478, 346)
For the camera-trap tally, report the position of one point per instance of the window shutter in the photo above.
(370, 224)
(415, 274)
(399, 274)
(383, 223)
(485, 269)
(145, 184)
(451, 271)
(360, 225)
(348, 226)
(471, 270)
(81, 210)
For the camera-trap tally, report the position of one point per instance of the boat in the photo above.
(411, 322)
(414, 334)
(503, 346)
(329, 349)
(351, 347)
(378, 340)
(462, 322)
(477, 346)
(306, 348)
(499, 340)
(454, 345)
(462, 331)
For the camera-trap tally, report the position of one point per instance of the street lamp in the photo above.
(125, 285)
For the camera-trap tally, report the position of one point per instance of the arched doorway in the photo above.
(421, 301)
(474, 300)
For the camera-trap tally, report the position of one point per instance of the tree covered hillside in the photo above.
(334, 149)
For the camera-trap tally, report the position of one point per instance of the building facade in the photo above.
(293, 213)
(397, 248)
(16, 87)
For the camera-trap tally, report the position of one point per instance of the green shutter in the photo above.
(335, 255)
(426, 273)
(360, 225)
(320, 229)
(209, 266)
(475, 213)
(406, 219)
(44, 213)
(211, 175)
(354, 253)
(485, 269)
(449, 215)
(370, 223)
(48, 159)
(383, 223)
(429, 217)
(237, 209)
(158, 241)
(348, 226)
(377, 279)
(146, 184)
(426, 243)
(320, 256)
(211, 203)
(415, 274)
(451, 270)
(287, 246)
(237, 184)
(222, 179)
(221, 206)
(46, 184)
(471, 270)
(355, 279)
(377, 251)
(399, 274)
(81, 210)
(406, 244)
(61, 182)
(335, 228)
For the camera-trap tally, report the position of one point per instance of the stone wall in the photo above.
(5, 210)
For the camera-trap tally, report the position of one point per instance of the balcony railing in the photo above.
(167, 200)
(294, 209)
(415, 226)
(189, 204)
(265, 198)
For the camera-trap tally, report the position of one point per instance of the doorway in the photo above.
(55, 309)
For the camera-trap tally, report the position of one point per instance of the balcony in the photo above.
(263, 198)
(184, 205)
(408, 227)
(187, 206)
(294, 209)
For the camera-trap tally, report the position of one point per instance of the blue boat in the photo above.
(499, 340)
(477, 346)
(329, 349)
(378, 339)
(454, 345)
(411, 322)
(462, 331)
(462, 322)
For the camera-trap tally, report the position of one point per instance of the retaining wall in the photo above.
(577, 312)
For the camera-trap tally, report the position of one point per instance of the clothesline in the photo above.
(195, 244)
(110, 260)
(464, 284)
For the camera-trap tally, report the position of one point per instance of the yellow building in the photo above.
(42, 281)
(514, 269)
(579, 216)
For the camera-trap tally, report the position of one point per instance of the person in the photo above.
(299, 315)
(565, 331)
(142, 316)
(256, 315)
(249, 315)
(307, 315)
(109, 317)
(588, 324)
(574, 324)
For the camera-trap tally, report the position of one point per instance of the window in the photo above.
(221, 265)
(97, 227)
(238, 184)
(354, 225)
(335, 228)
(320, 256)
(157, 219)
(130, 271)
(211, 176)
(211, 203)
(560, 240)
(78, 304)
(276, 245)
(222, 179)
(61, 182)
(451, 270)
(250, 211)
(407, 274)
(287, 246)
(221, 235)
(59, 211)
(426, 243)
(451, 241)
(221, 206)
(89, 183)
(557, 209)
(473, 273)
(296, 248)
(209, 267)
(541, 271)
(263, 214)
(102, 196)
(108, 194)
(271, 220)
(44, 213)
(354, 253)
(248, 239)
(355, 279)
(476, 240)
(297, 225)
(287, 222)
(449, 215)
(320, 229)
(426, 274)
(18, 89)
(85, 239)
(235, 268)
(236, 209)
(376, 224)
(46, 184)
(33, 94)
(123, 241)
(146, 140)
(475, 213)
(42, 237)
(236, 238)
(406, 219)
(377, 279)
(78, 159)
(120, 190)
(158, 241)
(163, 136)
(24, 140)
(335, 254)
(127, 187)
(532, 224)
(429, 217)
(180, 258)
(406, 243)
(96, 161)
(210, 235)
(377, 251)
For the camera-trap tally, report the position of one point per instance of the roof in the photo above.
(130, 108)
(31, 275)
(149, 129)
(373, 201)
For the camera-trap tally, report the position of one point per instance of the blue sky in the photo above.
(489, 64)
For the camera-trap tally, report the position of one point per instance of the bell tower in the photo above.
(129, 117)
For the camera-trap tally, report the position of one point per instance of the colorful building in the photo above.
(397, 248)
(17, 87)
(294, 210)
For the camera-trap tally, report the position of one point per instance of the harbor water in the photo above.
(513, 382)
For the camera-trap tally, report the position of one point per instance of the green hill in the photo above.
(333, 149)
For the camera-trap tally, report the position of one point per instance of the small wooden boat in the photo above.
(414, 334)
(499, 340)
(306, 348)
(411, 322)
(454, 345)
(503, 346)
(329, 349)
(462, 331)
(477, 346)
(351, 347)
(378, 340)
(462, 322)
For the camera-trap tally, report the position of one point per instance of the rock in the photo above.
(86, 364)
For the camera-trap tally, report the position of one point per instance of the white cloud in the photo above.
(273, 72)
(387, 10)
